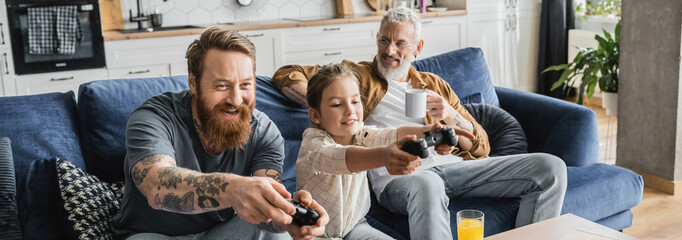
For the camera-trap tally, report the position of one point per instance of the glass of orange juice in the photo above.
(470, 224)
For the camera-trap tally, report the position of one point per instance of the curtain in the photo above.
(557, 17)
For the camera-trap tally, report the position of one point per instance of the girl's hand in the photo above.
(399, 162)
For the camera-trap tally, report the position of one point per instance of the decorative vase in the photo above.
(610, 103)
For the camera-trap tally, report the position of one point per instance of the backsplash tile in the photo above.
(187, 12)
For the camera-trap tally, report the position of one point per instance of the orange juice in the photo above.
(470, 229)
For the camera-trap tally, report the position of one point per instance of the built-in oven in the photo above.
(54, 35)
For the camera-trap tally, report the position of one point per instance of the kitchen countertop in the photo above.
(267, 24)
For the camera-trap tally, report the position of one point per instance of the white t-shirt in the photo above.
(390, 113)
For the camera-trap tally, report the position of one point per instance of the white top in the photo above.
(321, 169)
(390, 113)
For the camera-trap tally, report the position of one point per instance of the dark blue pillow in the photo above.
(40, 210)
(474, 98)
(9, 215)
(103, 110)
(41, 126)
(505, 134)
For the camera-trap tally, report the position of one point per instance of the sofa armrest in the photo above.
(554, 126)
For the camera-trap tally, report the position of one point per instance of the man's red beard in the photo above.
(223, 134)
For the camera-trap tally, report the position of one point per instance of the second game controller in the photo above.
(420, 147)
(304, 216)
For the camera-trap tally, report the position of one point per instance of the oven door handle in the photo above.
(61, 79)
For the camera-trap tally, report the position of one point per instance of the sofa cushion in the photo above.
(41, 127)
(291, 119)
(505, 134)
(9, 215)
(465, 70)
(88, 204)
(621, 188)
(473, 98)
(40, 210)
(103, 109)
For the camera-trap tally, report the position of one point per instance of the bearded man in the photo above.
(203, 163)
(538, 179)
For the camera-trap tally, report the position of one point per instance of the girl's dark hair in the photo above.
(324, 77)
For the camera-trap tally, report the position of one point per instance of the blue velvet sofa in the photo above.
(90, 132)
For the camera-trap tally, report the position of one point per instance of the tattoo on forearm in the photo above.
(175, 203)
(138, 175)
(207, 188)
(152, 159)
(300, 97)
(274, 174)
(170, 177)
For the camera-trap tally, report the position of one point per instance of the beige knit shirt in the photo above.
(321, 169)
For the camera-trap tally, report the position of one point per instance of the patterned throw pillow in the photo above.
(89, 203)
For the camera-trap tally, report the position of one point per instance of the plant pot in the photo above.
(610, 103)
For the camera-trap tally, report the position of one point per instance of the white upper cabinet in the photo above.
(330, 43)
(507, 31)
(442, 35)
(268, 44)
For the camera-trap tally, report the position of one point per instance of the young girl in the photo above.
(337, 150)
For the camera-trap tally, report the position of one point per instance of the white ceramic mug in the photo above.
(415, 103)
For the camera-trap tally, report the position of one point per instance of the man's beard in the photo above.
(222, 134)
(402, 69)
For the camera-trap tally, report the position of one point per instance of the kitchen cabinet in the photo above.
(330, 43)
(147, 57)
(268, 50)
(6, 67)
(165, 56)
(159, 70)
(507, 31)
(4, 29)
(7, 88)
(442, 35)
(57, 81)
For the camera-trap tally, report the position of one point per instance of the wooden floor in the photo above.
(659, 215)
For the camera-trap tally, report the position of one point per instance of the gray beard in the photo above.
(402, 69)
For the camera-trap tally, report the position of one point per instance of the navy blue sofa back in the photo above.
(41, 127)
(103, 110)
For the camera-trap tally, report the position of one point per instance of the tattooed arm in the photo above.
(272, 226)
(171, 188)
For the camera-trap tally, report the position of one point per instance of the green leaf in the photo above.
(603, 44)
(555, 68)
(562, 79)
(607, 35)
(617, 32)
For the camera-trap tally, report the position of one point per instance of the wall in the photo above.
(194, 12)
(650, 103)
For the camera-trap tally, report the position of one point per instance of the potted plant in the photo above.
(591, 67)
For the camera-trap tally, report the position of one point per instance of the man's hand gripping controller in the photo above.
(420, 147)
(304, 216)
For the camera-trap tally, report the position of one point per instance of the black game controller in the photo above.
(304, 216)
(420, 147)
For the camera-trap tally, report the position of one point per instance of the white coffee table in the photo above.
(565, 227)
